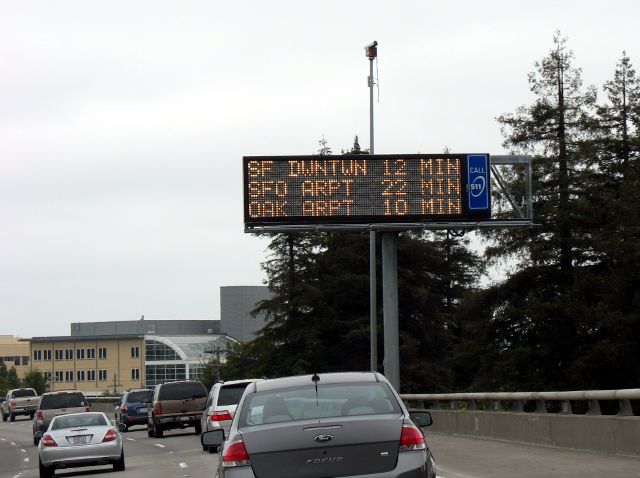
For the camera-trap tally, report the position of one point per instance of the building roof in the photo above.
(84, 338)
(193, 347)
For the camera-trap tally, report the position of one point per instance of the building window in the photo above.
(79, 354)
(37, 355)
(59, 375)
(58, 354)
(68, 376)
(135, 352)
(68, 354)
(91, 375)
(80, 375)
(47, 355)
(156, 374)
(135, 374)
(16, 361)
(102, 375)
(91, 353)
(25, 360)
(158, 351)
(102, 353)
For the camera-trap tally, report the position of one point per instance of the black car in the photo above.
(132, 408)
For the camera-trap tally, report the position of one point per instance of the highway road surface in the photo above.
(179, 455)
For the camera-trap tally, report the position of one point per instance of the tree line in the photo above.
(566, 315)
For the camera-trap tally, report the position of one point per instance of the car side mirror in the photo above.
(122, 427)
(420, 418)
(212, 438)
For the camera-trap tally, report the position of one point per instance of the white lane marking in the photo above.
(183, 465)
(26, 459)
(159, 445)
(23, 450)
(13, 443)
(3, 439)
(131, 439)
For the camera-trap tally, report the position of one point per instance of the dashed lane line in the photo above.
(183, 465)
(159, 445)
(23, 450)
(131, 439)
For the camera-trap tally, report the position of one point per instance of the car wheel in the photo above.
(31, 416)
(149, 430)
(12, 417)
(36, 440)
(213, 449)
(4, 417)
(119, 465)
(198, 428)
(45, 471)
(158, 432)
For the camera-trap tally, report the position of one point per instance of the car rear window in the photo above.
(82, 420)
(24, 393)
(181, 391)
(62, 400)
(231, 394)
(144, 396)
(331, 400)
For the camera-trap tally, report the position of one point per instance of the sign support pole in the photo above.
(390, 308)
(372, 53)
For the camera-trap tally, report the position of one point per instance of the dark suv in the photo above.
(132, 408)
(176, 405)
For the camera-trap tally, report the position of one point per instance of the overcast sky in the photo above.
(123, 125)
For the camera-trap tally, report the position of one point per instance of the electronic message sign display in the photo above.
(365, 189)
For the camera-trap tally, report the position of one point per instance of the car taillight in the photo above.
(12, 403)
(411, 439)
(158, 409)
(87, 409)
(124, 409)
(235, 455)
(111, 435)
(47, 440)
(39, 416)
(220, 416)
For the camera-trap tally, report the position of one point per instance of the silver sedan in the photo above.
(335, 424)
(80, 439)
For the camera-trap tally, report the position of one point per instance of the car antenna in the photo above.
(315, 379)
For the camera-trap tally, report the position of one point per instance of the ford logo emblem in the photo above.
(323, 438)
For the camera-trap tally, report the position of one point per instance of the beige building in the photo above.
(94, 364)
(14, 352)
(113, 363)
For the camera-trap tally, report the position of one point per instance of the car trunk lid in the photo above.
(357, 445)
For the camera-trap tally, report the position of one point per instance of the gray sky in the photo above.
(123, 125)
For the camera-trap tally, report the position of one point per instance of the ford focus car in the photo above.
(318, 426)
(80, 439)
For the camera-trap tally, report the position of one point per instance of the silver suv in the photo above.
(52, 404)
(221, 405)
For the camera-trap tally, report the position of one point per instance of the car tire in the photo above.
(36, 440)
(198, 428)
(150, 430)
(12, 417)
(213, 449)
(4, 417)
(45, 471)
(158, 432)
(119, 465)
(31, 415)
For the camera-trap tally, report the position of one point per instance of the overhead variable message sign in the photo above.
(365, 189)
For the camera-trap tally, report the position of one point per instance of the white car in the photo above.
(80, 439)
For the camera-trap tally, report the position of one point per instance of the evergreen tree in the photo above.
(535, 326)
(12, 378)
(37, 381)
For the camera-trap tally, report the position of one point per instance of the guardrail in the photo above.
(545, 402)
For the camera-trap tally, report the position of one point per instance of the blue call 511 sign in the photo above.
(478, 182)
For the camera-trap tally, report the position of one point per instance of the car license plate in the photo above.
(142, 410)
(80, 439)
(184, 419)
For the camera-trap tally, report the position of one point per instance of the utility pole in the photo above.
(372, 53)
